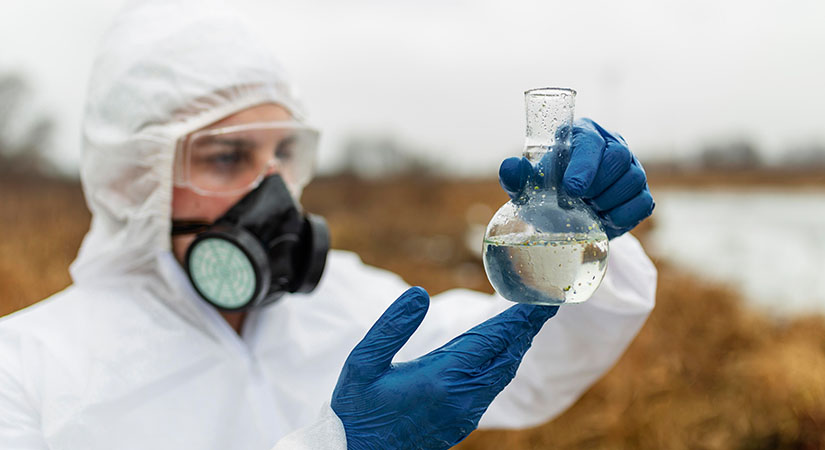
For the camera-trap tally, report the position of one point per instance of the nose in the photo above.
(273, 168)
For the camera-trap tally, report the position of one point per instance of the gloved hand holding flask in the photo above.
(434, 401)
(602, 171)
(576, 187)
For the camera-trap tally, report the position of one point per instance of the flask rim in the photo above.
(550, 91)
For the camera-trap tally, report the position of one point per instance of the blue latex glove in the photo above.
(602, 171)
(435, 401)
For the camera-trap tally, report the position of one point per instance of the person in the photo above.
(132, 356)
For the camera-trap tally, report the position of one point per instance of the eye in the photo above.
(225, 155)
(285, 150)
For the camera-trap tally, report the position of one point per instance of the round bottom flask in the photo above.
(546, 247)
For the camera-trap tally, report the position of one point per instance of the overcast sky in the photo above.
(448, 76)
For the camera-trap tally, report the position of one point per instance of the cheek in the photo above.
(189, 205)
(180, 244)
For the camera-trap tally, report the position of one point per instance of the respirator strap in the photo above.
(181, 227)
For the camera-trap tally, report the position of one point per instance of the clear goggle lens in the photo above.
(234, 159)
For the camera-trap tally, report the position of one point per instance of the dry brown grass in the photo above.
(42, 223)
(704, 373)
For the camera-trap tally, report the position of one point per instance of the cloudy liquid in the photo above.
(549, 269)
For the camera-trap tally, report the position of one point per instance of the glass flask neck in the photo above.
(549, 131)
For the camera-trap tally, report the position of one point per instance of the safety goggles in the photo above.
(234, 159)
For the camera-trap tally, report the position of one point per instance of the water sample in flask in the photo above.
(546, 246)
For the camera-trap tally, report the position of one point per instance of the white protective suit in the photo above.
(129, 357)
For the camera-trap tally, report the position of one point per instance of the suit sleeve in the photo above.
(326, 433)
(19, 419)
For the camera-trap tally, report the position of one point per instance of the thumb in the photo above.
(512, 329)
(373, 355)
(513, 175)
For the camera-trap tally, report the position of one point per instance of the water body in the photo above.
(548, 269)
(769, 244)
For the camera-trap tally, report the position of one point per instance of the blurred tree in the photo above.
(732, 154)
(378, 156)
(809, 155)
(23, 135)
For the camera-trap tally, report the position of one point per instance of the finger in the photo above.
(373, 355)
(607, 134)
(444, 437)
(543, 170)
(501, 371)
(564, 132)
(616, 161)
(629, 185)
(586, 155)
(613, 233)
(487, 340)
(632, 212)
(513, 175)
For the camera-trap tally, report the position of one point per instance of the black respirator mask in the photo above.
(262, 248)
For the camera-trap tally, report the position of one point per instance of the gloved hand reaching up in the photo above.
(435, 401)
(602, 171)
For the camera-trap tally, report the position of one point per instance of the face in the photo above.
(189, 205)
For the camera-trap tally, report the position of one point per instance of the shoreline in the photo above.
(741, 178)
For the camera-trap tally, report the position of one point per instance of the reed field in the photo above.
(705, 372)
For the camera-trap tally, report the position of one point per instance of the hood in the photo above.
(164, 69)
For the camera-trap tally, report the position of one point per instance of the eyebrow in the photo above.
(225, 141)
(287, 140)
